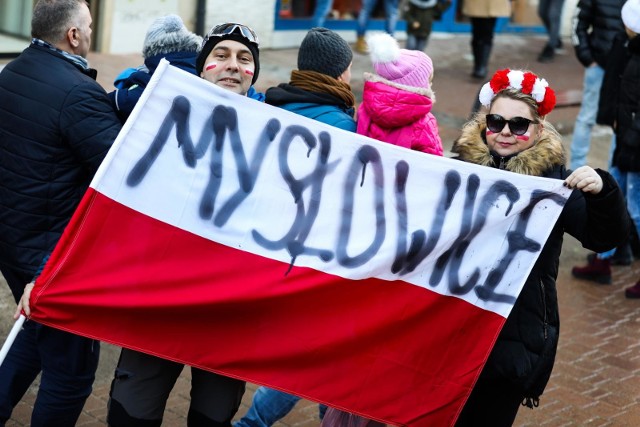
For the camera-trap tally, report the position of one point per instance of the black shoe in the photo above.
(559, 44)
(547, 54)
(479, 73)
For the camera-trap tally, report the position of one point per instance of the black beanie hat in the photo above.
(324, 51)
(211, 41)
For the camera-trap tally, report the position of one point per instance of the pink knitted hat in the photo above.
(406, 67)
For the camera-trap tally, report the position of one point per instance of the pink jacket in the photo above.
(399, 115)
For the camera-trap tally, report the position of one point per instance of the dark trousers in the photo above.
(142, 384)
(482, 30)
(492, 403)
(68, 363)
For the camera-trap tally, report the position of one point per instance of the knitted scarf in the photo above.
(322, 83)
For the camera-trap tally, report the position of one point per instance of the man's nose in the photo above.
(232, 63)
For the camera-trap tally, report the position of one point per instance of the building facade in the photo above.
(120, 25)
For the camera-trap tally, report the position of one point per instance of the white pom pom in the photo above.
(515, 79)
(486, 95)
(539, 89)
(383, 48)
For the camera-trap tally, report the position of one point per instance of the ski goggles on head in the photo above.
(517, 125)
(231, 28)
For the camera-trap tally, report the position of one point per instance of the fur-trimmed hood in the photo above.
(546, 154)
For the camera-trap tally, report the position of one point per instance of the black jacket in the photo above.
(595, 25)
(627, 153)
(524, 352)
(56, 126)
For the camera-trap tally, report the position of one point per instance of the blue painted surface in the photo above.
(447, 24)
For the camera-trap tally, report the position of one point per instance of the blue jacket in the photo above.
(125, 98)
(322, 107)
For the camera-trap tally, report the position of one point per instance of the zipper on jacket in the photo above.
(544, 307)
(503, 164)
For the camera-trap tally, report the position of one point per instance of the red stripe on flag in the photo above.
(388, 350)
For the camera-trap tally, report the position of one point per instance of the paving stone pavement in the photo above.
(596, 379)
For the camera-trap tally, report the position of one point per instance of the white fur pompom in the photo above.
(486, 95)
(383, 48)
(539, 89)
(515, 79)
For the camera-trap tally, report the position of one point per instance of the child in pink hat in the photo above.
(397, 100)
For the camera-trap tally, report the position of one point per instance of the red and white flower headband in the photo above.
(524, 81)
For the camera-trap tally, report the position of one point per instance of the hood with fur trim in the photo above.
(545, 155)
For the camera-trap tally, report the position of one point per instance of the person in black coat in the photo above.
(56, 126)
(512, 134)
(595, 25)
(618, 108)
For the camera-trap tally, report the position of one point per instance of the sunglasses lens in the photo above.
(495, 123)
(519, 125)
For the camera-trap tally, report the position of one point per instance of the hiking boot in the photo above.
(597, 270)
(547, 54)
(361, 45)
(633, 292)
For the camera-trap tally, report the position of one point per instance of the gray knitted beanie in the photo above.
(168, 34)
(324, 51)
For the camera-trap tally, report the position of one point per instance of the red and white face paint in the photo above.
(505, 143)
(230, 65)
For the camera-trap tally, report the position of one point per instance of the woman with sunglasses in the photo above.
(512, 134)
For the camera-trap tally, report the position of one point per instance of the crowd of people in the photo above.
(57, 126)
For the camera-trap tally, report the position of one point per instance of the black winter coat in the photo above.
(56, 126)
(524, 352)
(595, 25)
(627, 153)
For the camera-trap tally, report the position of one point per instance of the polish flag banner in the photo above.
(246, 240)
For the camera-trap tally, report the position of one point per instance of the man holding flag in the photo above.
(56, 126)
(229, 58)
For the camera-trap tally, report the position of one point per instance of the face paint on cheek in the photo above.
(249, 72)
(524, 137)
(210, 66)
(490, 133)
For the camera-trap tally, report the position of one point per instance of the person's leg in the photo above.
(586, 116)
(267, 407)
(633, 205)
(555, 16)
(322, 409)
(391, 15)
(491, 403)
(421, 43)
(544, 13)
(323, 7)
(20, 368)
(363, 16)
(412, 42)
(140, 389)
(215, 399)
(481, 43)
(69, 364)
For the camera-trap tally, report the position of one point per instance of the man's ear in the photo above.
(73, 38)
